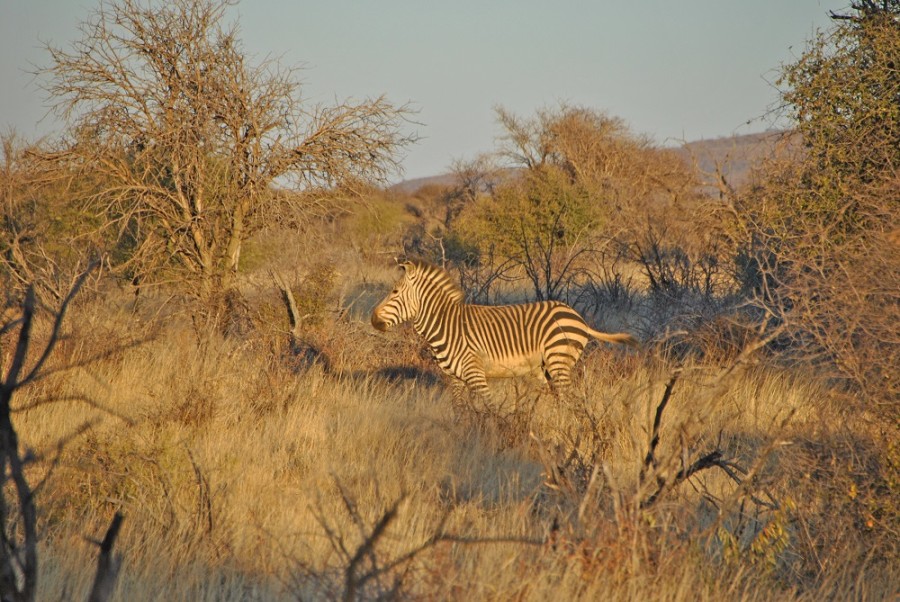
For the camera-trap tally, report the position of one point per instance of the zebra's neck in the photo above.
(436, 313)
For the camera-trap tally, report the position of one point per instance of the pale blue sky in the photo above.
(672, 70)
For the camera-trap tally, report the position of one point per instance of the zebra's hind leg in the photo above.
(559, 377)
(546, 382)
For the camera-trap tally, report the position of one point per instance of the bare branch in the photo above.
(57, 325)
(189, 138)
(650, 460)
(290, 302)
(108, 564)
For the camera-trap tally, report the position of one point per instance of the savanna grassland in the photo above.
(248, 468)
(188, 273)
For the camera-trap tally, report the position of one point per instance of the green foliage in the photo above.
(818, 229)
(542, 223)
(46, 236)
(578, 178)
(545, 209)
(845, 98)
(380, 220)
(545, 218)
(843, 94)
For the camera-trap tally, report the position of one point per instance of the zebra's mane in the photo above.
(441, 276)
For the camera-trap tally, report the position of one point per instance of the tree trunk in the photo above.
(236, 238)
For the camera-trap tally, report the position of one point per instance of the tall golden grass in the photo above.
(245, 474)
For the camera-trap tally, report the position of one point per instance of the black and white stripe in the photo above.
(474, 342)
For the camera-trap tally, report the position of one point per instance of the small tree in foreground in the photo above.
(191, 137)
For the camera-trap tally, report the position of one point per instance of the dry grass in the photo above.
(244, 476)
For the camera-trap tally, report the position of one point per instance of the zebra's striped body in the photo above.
(474, 342)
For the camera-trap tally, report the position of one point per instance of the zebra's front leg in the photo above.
(470, 384)
(471, 371)
(460, 391)
(477, 384)
(463, 399)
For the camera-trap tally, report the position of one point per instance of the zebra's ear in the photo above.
(406, 266)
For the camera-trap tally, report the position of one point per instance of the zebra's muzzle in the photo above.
(378, 323)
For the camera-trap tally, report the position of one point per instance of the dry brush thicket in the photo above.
(178, 140)
(286, 450)
(246, 473)
(327, 461)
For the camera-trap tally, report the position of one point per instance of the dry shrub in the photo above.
(817, 229)
(829, 280)
(259, 487)
(245, 474)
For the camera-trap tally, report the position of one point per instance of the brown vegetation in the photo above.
(189, 138)
(239, 471)
(749, 451)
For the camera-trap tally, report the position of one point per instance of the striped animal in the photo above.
(474, 342)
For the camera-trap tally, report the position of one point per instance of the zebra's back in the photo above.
(533, 338)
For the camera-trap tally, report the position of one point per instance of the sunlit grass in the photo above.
(245, 476)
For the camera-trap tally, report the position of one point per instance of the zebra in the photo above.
(472, 343)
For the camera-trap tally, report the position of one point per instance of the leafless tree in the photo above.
(192, 137)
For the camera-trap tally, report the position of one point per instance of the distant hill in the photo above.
(416, 184)
(737, 155)
(734, 155)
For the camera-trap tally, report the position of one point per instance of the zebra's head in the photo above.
(422, 285)
(402, 304)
